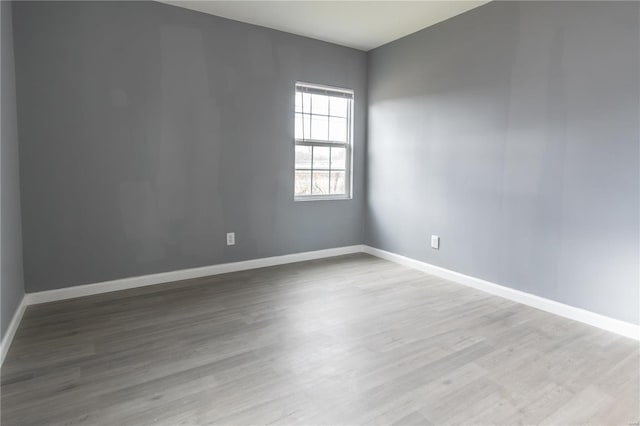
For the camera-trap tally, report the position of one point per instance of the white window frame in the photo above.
(348, 145)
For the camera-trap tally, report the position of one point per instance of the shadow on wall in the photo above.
(512, 131)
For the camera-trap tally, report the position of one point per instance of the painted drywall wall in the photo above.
(512, 132)
(11, 273)
(148, 131)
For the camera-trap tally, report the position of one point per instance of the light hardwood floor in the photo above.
(347, 340)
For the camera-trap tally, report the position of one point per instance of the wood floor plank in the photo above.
(347, 340)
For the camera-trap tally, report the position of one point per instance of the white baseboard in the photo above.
(606, 323)
(577, 314)
(11, 330)
(182, 274)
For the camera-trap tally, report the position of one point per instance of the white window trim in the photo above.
(347, 145)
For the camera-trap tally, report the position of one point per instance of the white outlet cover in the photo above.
(231, 238)
(435, 242)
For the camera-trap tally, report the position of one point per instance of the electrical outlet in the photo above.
(435, 242)
(231, 238)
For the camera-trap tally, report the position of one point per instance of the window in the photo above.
(323, 132)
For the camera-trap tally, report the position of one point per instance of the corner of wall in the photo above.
(12, 275)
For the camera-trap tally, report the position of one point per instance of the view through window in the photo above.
(323, 131)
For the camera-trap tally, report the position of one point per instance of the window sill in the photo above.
(324, 198)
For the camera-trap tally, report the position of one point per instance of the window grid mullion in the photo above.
(308, 142)
(319, 115)
(302, 102)
(303, 169)
(329, 136)
(311, 180)
(310, 120)
(330, 148)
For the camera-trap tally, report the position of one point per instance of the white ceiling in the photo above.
(363, 25)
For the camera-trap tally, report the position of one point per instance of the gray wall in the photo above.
(512, 131)
(11, 277)
(148, 131)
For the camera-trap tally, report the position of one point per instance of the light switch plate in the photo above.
(435, 242)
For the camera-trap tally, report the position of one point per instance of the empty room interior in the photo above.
(320, 213)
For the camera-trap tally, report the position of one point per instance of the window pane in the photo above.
(298, 126)
(303, 102)
(337, 183)
(303, 157)
(338, 129)
(303, 183)
(321, 157)
(338, 158)
(319, 128)
(303, 126)
(338, 106)
(298, 102)
(320, 104)
(320, 183)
